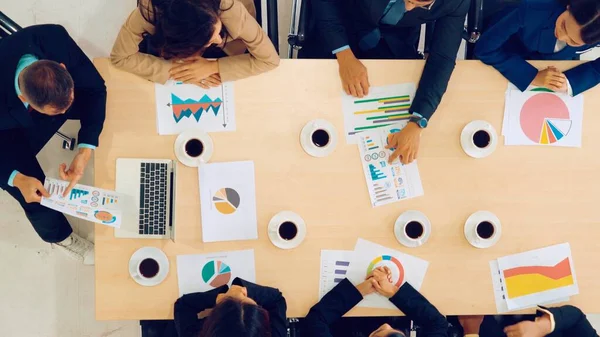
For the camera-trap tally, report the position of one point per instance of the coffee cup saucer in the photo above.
(407, 217)
(306, 138)
(471, 229)
(466, 139)
(183, 157)
(144, 253)
(280, 218)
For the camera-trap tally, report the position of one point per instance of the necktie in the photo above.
(391, 16)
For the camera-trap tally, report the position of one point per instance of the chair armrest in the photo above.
(9, 25)
(273, 23)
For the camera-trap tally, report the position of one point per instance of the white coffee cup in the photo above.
(483, 229)
(412, 229)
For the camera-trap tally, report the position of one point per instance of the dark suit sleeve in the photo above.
(187, 308)
(330, 22)
(584, 76)
(424, 314)
(440, 63)
(570, 321)
(270, 299)
(491, 49)
(90, 91)
(332, 307)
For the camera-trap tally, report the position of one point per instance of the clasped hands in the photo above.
(380, 281)
(197, 70)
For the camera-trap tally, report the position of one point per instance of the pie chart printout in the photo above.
(545, 118)
(216, 273)
(226, 200)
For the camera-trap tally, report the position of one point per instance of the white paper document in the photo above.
(84, 202)
(541, 117)
(228, 201)
(387, 182)
(334, 269)
(383, 106)
(404, 267)
(533, 278)
(181, 107)
(204, 272)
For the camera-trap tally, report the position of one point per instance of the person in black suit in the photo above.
(345, 296)
(389, 29)
(565, 321)
(45, 79)
(244, 310)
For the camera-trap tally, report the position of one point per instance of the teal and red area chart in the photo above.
(541, 117)
(181, 107)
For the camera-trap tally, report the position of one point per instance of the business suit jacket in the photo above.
(345, 22)
(569, 321)
(244, 32)
(189, 306)
(345, 296)
(49, 42)
(527, 33)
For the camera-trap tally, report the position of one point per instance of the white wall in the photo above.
(93, 24)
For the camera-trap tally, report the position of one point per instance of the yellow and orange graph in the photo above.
(522, 281)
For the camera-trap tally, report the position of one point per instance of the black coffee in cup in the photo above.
(320, 138)
(481, 139)
(194, 147)
(414, 229)
(288, 230)
(485, 230)
(149, 268)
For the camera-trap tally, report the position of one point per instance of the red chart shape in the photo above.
(537, 109)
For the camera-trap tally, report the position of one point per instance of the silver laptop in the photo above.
(149, 187)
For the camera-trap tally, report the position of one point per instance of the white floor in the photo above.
(42, 293)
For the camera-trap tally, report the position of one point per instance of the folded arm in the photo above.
(424, 314)
(491, 49)
(584, 76)
(332, 307)
(261, 57)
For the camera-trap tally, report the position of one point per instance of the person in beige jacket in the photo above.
(182, 30)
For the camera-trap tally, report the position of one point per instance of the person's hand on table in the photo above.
(354, 76)
(31, 188)
(197, 70)
(406, 142)
(541, 327)
(75, 171)
(470, 324)
(383, 282)
(552, 79)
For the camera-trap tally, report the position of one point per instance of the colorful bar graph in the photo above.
(376, 174)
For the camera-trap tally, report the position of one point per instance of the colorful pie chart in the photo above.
(545, 118)
(392, 263)
(226, 200)
(216, 273)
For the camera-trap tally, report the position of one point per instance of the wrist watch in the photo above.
(419, 120)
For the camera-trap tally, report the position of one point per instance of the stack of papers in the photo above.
(538, 277)
(541, 117)
(356, 265)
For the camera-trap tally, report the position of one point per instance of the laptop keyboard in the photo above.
(153, 199)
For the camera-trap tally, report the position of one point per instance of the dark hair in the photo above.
(46, 82)
(234, 318)
(182, 28)
(587, 15)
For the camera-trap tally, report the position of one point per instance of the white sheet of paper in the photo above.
(204, 272)
(405, 268)
(228, 201)
(181, 107)
(542, 118)
(334, 269)
(538, 276)
(387, 183)
(381, 107)
(85, 202)
(501, 305)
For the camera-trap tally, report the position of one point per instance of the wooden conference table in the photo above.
(542, 195)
